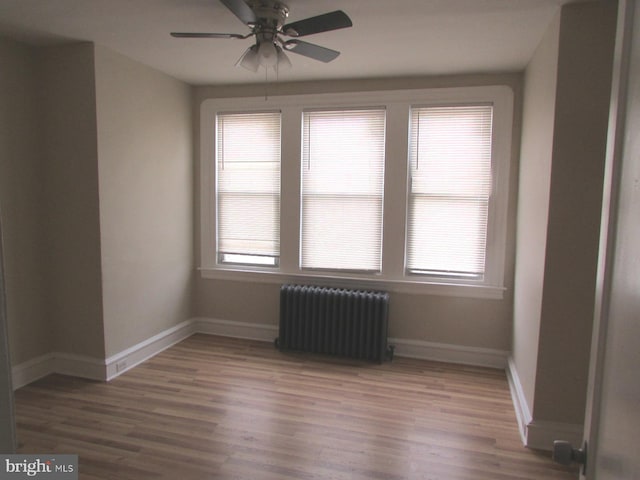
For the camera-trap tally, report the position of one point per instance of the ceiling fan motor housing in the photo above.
(271, 15)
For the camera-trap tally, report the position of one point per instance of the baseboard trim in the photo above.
(523, 413)
(441, 352)
(127, 359)
(537, 434)
(81, 366)
(444, 352)
(111, 367)
(34, 369)
(229, 328)
(63, 363)
(542, 434)
(94, 368)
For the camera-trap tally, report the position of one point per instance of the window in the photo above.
(403, 190)
(248, 188)
(342, 189)
(449, 190)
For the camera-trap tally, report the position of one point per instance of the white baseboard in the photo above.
(523, 412)
(484, 357)
(444, 352)
(32, 370)
(111, 367)
(79, 366)
(541, 434)
(56, 362)
(228, 328)
(538, 434)
(127, 359)
(94, 368)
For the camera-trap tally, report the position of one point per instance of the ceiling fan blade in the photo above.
(321, 23)
(241, 10)
(206, 35)
(311, 50)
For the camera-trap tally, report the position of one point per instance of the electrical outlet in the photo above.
(120, 366)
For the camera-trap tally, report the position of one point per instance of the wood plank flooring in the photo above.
(213, 407)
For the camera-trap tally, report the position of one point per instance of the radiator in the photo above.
(349, 323)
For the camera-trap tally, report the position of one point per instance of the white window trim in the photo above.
(394, 276)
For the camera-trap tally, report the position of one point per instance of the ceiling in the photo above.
(388, 39)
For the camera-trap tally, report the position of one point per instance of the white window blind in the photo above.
(248, 188)
(450, 187)
(342, 189)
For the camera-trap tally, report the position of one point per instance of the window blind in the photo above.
(450, 187)
(248, 188)
(342, 189)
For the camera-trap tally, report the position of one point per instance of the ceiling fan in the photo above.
(266, 20)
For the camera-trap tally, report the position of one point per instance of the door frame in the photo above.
(7, 415)
(608, 227)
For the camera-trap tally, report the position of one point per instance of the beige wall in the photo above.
(563, 151)
(461, 321)
(533, 204)
(71, 205)
(587, 35)
(146, 210)
(20, 202)
(97, 181)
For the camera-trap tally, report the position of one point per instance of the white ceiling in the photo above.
(388, 38)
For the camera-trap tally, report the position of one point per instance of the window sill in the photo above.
(406, 285)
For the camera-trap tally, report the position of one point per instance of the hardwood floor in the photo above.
(213, 407)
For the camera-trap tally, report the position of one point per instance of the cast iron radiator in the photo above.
(349, 323)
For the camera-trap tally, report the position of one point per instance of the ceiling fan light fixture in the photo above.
(268, 54)
(250, 59)
(283, 60)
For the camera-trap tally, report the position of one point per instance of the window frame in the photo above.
(465, 277)
(394, 275)
(252, 259)
(307, 115)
